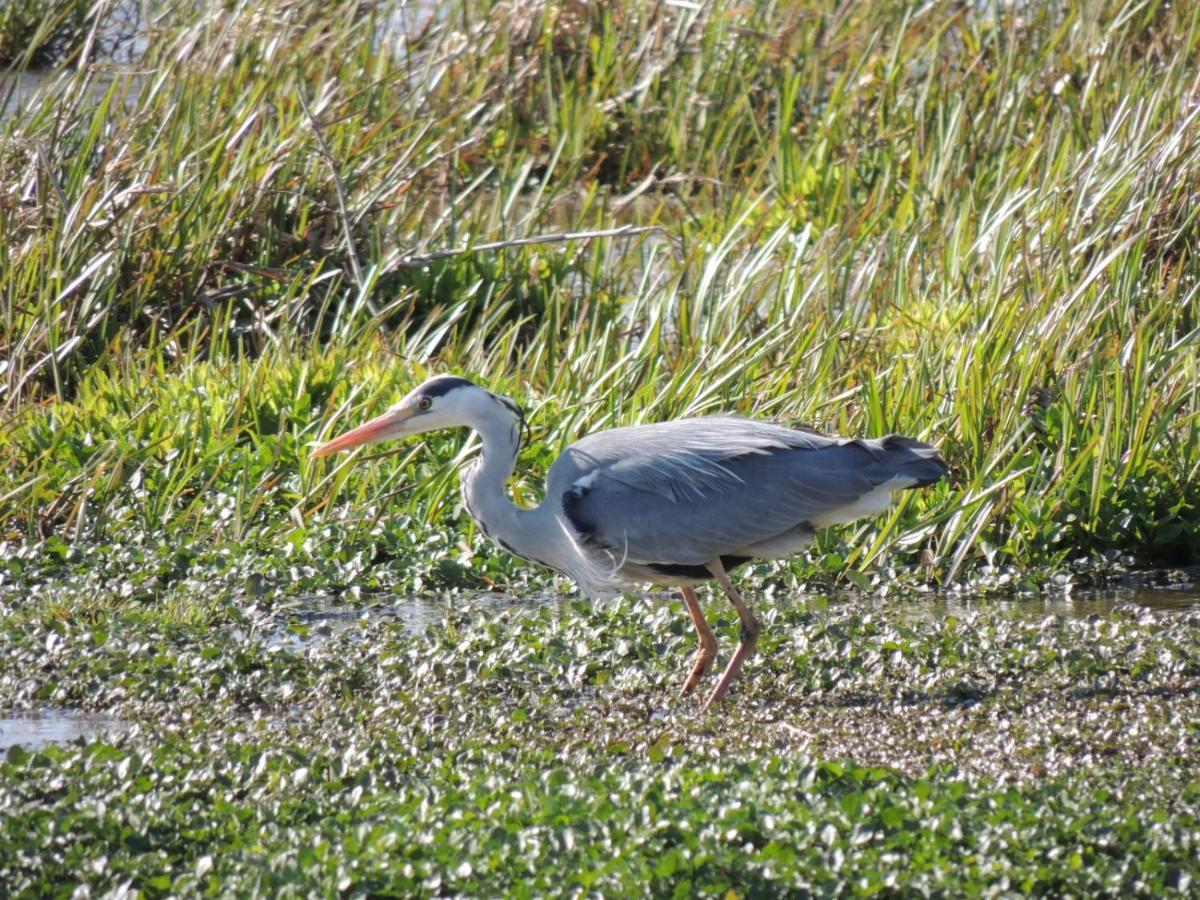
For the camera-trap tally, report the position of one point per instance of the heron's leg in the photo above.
(747, 640)
(708, 644)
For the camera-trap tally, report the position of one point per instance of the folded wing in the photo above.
(689, 491)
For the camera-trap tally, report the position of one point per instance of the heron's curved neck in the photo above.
(483, 484)
(536, 534)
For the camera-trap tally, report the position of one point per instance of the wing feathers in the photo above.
(688, 491)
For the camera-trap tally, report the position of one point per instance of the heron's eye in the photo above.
(424, 403)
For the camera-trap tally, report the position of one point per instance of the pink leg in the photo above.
(747, 641)
(708, 644)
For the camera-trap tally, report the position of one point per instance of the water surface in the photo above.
(54, 726)
(1076, 604)
(315, 619)
(312, 620)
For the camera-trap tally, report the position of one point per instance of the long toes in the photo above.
(717, 693)
(699, 670)
(744, 651)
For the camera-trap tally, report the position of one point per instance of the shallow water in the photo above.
(54, 726)
(315, 619)
(22, 91)
(18, 88)
(123, 39)
(1078, 604)
(118, 43)
(311, 620)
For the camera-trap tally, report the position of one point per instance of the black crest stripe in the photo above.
(444, 384)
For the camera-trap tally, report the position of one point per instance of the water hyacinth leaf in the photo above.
(259, 220)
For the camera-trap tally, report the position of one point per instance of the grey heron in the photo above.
(673, 503)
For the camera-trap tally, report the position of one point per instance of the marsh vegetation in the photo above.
(975, 224)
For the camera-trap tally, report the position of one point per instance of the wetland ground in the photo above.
(228, 668)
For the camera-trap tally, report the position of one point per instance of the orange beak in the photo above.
(389, 425)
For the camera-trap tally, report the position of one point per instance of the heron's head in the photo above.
(446, 401)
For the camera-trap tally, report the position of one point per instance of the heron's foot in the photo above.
(746, 645)
(705, 657)
(707, 653)
(746, 642)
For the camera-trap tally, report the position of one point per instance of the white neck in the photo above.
(536, 534)
(483, 483)
(524, 532)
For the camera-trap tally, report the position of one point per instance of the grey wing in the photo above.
(686, 492)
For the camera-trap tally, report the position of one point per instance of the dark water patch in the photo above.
(1075, 604)
(21, 92)
(18, 88)
(55, 726)
(312, 620)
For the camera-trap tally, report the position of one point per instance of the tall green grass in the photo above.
(42, 32)
(974, 226)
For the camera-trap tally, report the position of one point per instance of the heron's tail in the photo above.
(907, 459)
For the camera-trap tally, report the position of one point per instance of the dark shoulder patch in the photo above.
(582, 524)
(700, 573)
(443, 384)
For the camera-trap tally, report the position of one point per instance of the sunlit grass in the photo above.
(978, 229)
(974, 224)
(37, 32)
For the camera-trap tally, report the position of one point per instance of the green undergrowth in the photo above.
(542, 751)
(42, 32)
(972, 224)
(977, 229)
(158, 486)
